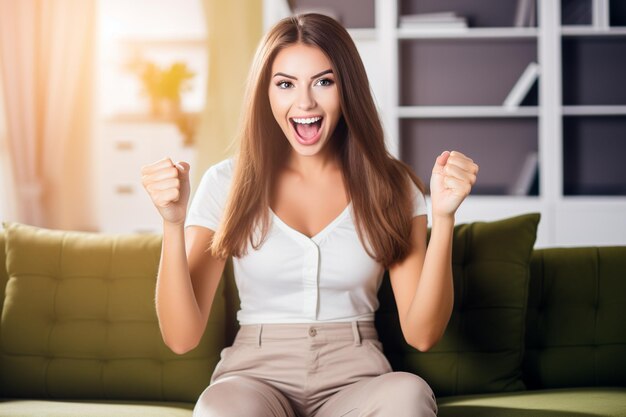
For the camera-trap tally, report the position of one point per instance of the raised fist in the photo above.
(452, 179)
(168, 186)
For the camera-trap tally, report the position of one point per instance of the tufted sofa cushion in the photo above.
(577, 315)
(482, 348)
(79, 321)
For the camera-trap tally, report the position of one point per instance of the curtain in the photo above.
(47, 52)
(6, 203)
(234, 29)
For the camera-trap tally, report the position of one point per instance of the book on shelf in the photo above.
(522, 86)
(527, 175)
(525, 14)
(433, 21)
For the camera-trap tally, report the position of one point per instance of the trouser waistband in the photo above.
(315, 332)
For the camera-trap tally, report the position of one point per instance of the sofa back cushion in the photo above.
(79, 321)
(482, 348)
(576, 331)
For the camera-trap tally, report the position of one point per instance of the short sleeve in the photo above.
(419, 201)
(207, 205)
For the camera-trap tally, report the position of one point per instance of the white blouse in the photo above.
(292, 278)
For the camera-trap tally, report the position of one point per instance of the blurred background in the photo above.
(94, 89)
(533, 90)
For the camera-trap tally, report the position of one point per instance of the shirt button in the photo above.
(312, 332)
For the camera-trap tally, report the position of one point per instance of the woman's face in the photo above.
(304, 97)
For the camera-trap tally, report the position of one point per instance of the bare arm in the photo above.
(188, 275)
(186, 284)
(422, 283)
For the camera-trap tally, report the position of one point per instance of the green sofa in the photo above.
(533, 332)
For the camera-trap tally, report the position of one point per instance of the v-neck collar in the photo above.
(317, 238)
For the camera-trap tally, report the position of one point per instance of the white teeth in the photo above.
(307, 120)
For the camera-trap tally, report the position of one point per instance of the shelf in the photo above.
(419, 112)
(592, 31)
(600, 200)
(468, 33)
(495, 199)
(594, 110)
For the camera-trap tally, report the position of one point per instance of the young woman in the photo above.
(312, 209)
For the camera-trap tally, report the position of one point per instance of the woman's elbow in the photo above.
(423, 343)
(428, 337)
(180, 347)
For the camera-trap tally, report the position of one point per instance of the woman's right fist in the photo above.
(168, 186)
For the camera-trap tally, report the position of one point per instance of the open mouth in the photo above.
(308, 129)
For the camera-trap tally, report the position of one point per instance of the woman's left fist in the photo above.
(451, 181)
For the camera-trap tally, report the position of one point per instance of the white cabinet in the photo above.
(124, 147)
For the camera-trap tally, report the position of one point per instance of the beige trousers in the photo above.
(311, 370)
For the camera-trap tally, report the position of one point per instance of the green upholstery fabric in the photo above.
(482, 348)
(576, 332)
(581, 402)
(79, 321)
(65, 289)
(32, 408)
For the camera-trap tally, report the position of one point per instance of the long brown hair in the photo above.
(377, 183)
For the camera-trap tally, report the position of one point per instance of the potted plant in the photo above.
(164, 86)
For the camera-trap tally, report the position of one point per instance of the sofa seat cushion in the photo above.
(576, 402)
(32, 408)
(482, 348)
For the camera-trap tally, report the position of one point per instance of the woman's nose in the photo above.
(305, 99)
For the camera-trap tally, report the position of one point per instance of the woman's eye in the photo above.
(284, 84)
(325, 82)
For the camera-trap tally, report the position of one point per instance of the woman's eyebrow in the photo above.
(282, 74)
(328, 71)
